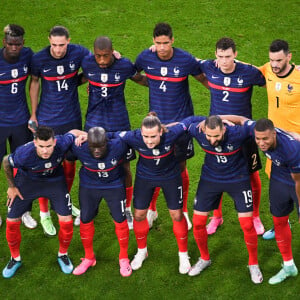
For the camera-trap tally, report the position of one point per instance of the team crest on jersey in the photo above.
(48, 165)
(14, 73)
(155, 152)
(163, 71)
(117, 77)
(176, 71)
(277, 162)
(72, 66)
(59, 160)
(218, 149)
(167, 148)
(278, 86)
(60, 70)
(101, 166)
(290, 88)
(227, 81)
(113, 161)
(240, 81)
(229, 147)
(25, 68)
(104, 77)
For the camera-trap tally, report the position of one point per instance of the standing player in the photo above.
(225, 169)
(167, 71)
(15, 65)
(231, 85)
(283, 89)
(102, 176)
(157, 167)
(284, 152)
(106, 107)
(39, 173)
(55, 72)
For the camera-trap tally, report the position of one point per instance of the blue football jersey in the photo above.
(224, 163)
(102, 173)
(31, 165)
(59, 103)
(169, 94)
(13, 76)
(231, 93)
(158, 163)
(285, 157)
(106, 106)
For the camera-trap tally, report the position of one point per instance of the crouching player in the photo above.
(157, 167)
(102, 176)
(40, 173)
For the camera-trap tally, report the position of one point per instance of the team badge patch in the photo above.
(48, 165)
(176, 71)
(117, 77)
(25, 68)
(60, 70)
(227, 81)
(229, 147)
(72, 66)
(14, 73)
(155, 152)
(218, 149)
(104, 77)
(101, 166)
(167, 148)
(113, 161)
(163, 71)
(240, 81)
(290, 88)
(277, 86)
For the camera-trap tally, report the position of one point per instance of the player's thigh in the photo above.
(89, 200)
(184, 148)
(116, 201)
(208, 195)
(241, 193)
(60, 199)
(172, 190)
(282, 198)
(20, 135)
(142, 193)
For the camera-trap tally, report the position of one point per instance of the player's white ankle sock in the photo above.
(44, 215)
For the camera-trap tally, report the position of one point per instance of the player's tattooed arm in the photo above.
(8, 170)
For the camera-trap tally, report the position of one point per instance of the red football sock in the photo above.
(256, 192)
(87, 231)
(250, 237)
(65, 235)
(283, 237)
(129, 192)
(218, 211)
(122, 233)
(13, 237)
(69, 170)
(200, 235)
(180, 230)
(43, 204)
(154, 199)
(141, 230)
(185, 188)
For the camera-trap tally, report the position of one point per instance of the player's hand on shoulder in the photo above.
(152, 48)
(117, 54)
(201, 126)
(81, 139)
(227, 122)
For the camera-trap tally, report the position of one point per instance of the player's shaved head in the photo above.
(102, 43)
(97, 142)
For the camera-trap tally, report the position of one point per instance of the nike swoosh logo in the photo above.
(149, 68)
(91, 74)
(214, 77)
(2, 74)
(270, 79)
(46, 70)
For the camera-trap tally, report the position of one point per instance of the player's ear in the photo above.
(289, 56)
(54, 142)
(172, 40)
(235, 54)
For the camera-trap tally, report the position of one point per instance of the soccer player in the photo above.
(102, 176)
(283, 89)
(167, 71)
(284, 152)
(106, 106)
(157, 167)
(225, 169)
(55, 72)
(15, 65)
(39, 173)
(231, 85)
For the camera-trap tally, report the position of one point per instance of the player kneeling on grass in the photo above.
(40, 173)
(102, 176)
(225, 169)
(157, 167)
